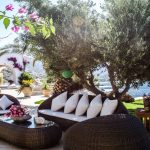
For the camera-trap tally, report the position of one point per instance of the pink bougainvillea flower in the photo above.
(26, 28)
(22, 10)
(9, 7)
(15, 28)
(34, 16)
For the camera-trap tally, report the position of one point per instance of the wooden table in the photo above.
(144, 117)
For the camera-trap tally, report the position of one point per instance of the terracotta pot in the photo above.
(46, 93)
(27, 91)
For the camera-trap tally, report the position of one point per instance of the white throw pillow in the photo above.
(95, 107)
(5, 102)
(71, 103)
(82, 105)
(109, 106)
(59, 101)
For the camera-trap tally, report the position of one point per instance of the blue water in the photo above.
(145, 89)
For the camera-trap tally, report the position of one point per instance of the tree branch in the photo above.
(112, 78)
(91, 87)
(1, 38)
(127, 87)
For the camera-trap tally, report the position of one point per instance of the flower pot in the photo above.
(46, 93)
(27, 91)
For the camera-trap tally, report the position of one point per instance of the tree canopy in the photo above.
(117, 38)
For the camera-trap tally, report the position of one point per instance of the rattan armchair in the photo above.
(113, 132)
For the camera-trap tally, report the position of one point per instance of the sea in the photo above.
(134, 92)
(104, 84)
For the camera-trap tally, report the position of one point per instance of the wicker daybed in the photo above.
(66, 123)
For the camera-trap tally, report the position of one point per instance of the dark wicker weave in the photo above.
(114, 132)
(64, 123)
(13, 99)
(29, 135)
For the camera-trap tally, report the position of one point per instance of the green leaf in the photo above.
(2, 13)
(17, 21)
(6, 22)
(1, 17)
(48, 34)
(52, 29)
(51, 21)
(31, 28)
(44, 31)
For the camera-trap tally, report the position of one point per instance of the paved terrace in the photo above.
(29, 102)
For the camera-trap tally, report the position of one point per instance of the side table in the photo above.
(144, 117)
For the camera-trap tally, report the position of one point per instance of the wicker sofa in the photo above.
(66, 123)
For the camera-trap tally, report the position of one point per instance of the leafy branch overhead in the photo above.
(29, 22)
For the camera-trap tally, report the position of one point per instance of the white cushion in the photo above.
(60, 114)
(95, 107)
(82, 105)
(71, 103)
(5, 102)
(59, 101)
(109, 106)
(2, 112)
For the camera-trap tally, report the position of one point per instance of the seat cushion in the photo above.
(2, 112)
(60, 114)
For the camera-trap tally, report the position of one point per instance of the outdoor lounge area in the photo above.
(62, 132)
(75, 75)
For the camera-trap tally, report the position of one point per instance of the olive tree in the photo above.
(85, 41)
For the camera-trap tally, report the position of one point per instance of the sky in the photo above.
(3, 31)
(12, 35)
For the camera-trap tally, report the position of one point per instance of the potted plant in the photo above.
(46, 89)
(26, 80)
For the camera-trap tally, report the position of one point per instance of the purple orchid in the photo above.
(13, 59)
